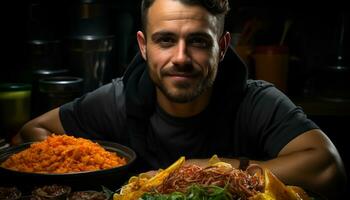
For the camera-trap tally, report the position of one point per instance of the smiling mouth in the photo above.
(182, 74)
(186, 74)
(181, 77)
(182, 81)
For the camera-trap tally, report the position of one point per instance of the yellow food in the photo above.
(276, 190)
(139, 185)
(272, 188)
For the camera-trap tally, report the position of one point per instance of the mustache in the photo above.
(187, 70)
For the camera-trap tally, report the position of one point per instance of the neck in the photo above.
(184, 109)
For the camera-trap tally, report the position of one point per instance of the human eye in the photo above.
(199, 42)
(164, 40)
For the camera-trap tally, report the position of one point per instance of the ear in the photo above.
(224, 44)
(141, 40)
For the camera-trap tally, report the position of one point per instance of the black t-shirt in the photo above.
(263, 123)
(244, 118)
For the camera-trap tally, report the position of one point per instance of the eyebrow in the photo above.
(200, 34)
(167, 34)
(159, 34)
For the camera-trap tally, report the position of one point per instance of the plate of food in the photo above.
(63, 159)
(219, 180)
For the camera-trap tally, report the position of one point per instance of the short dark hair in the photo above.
(216, 7)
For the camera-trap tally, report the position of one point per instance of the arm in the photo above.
(39, 128)
(98, 114)
(309, 160)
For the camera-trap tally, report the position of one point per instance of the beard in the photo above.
(183, 91)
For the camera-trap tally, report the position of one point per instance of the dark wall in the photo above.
(312, 37)
(58, 20)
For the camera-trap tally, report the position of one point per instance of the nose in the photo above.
(181, 55)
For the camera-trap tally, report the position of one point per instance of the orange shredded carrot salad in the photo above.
(63, 154)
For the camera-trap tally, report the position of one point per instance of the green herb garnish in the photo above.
(195, 192)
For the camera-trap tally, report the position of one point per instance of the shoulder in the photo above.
(270, 117)
(114, 89)
(259, 90)
(261, 96)
(116, 86)
(97, 114)
(258, 85)
(104, 97)
(119, 93)
(111, 94)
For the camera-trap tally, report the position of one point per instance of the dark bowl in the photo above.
(111, 178)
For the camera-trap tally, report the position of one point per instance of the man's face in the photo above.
(181, 49)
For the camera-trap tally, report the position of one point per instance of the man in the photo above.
(183, 96)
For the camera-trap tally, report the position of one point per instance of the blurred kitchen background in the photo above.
(55, 51)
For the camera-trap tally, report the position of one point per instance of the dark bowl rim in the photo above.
(121, 150)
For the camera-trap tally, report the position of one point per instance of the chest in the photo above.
(201, 136)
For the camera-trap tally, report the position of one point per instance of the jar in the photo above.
(14, 107)
(271, 64)
(56, 91)
(36, 100)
